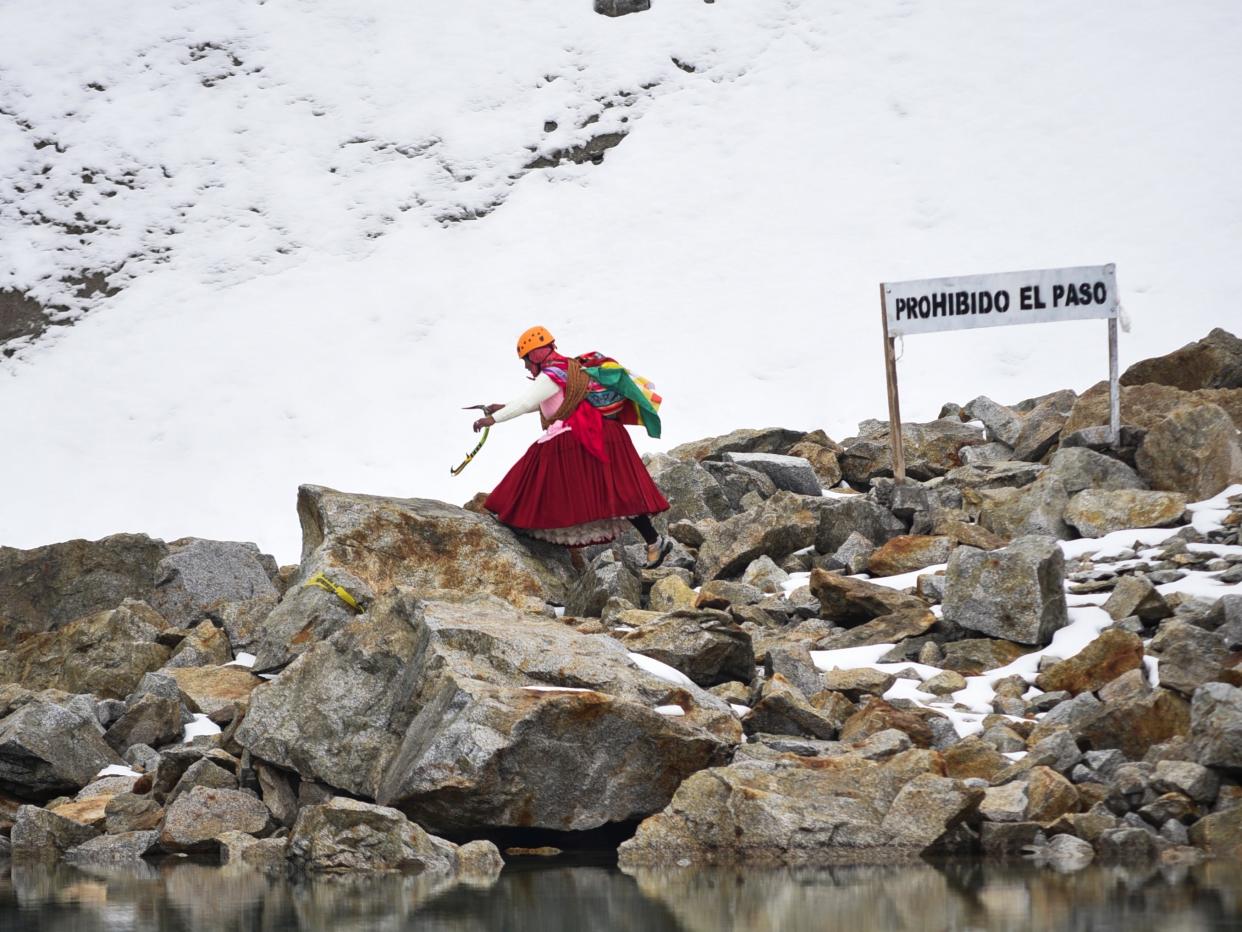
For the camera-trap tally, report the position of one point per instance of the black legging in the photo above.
(643, 525)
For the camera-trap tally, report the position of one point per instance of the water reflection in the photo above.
(181, 895)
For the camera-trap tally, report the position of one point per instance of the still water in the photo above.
(551, 897)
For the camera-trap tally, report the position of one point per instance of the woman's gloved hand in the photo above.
(482, 422)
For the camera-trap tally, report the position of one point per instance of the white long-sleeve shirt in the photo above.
(540, 390)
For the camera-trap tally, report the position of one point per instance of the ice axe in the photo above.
(456, 471)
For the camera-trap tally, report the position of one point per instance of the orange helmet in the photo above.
(532, 339)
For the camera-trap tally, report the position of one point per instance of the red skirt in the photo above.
(561, 493)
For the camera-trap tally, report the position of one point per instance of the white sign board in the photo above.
(967, 301)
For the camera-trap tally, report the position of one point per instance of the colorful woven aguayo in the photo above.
(620, 394)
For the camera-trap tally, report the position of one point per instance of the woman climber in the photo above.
(582, 481)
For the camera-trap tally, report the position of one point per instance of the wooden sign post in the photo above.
(966, 302)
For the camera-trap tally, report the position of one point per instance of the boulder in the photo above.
(621, 7)
(853, 601)
(692, 492)
(242, 621)
(670, 594)
(791, 473)
(105, 654)
(204, 646)
(823, 460)
(1016, 593)
(609, 576)
(44, 588)
(972, 656)
(214, 690)
(114, 849)
(196, 819)
(842, 517)
(1216, 726)
(765, 576)
(1213, 362)
(472, 714)
(196, 573)
(1001, 474)
(1194, 780)
(1188, 655)
(47, 749)
(1049, 796)
(705, 645)
(741, 486)
(40, 834)
(927, 807)
(1095, 512)
(908, 553)
(1042, 426)
(1145, 406)
(1036, 509)
(875, 715)
(782, 709)
(1133, 725)
(205, 773)
(1134, 595)
(1079, 468)
(795, 664)
(1002, 423)
(1100, 662)
(776, 528)
(371, 544)
(806, 811)
(765, 440)
(906, 622)
(132, 812)
(974, 757)
(858, 682)
(1194, 450)
(931, 449)
(151, 720)
(1220, 834)
(852, 556)
(347, 836)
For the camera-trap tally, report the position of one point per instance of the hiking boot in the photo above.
(657, 551)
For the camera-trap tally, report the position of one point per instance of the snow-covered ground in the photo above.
(967, 708)
(276, 185)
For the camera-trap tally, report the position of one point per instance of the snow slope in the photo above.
(277, 186)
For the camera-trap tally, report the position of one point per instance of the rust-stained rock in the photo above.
(368, 544)
(853, 601)
(1049, 796)
(1147, 405)
(1096, 512)
(974, 757)
(87, 811)
(211, 690)
(1213, 362)
(1133, 726)
(105, 654)
(876, 715)
(909, 552)
(1103, 660)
